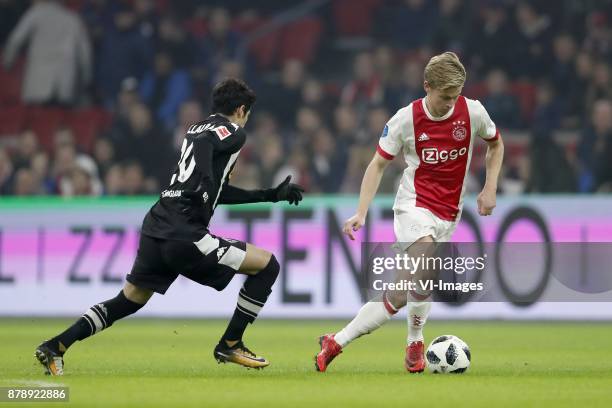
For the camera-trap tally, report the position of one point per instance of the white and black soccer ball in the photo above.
(448, 354)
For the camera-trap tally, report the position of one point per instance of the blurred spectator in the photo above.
(450, 26)
(576, 109)
(268, 147)
(359, 158)
(550, 169)
(595, 169)
(600, 86)
(406, 88)
(514, 175)
(598, 39)
(499, 102)
(270, 156)
(40, 167)
(6, 172)
(297, 165)
(26, 183)
(125, 52)
(555, 60)
(113, 180)
(531, 46)
(489, 31)
(165, 88)
(384, 63)
(308, 122)
(177, 41)
(146, 15)
(314, 96)
(347, 127)
(246, 175)
(327, 169)
(144, 143)
(104, 155)
(27, 146)
(78, 183)
(376, 120)
(229, 68)
(285, 97)
(365, 87)
(547, 114)
(67, 159)
(408, 24)
(134, 182)
(190, 112)
(360, 154)
(563, 72)
(59, 53)
(220, 43)
(97, 15)
(127, 97)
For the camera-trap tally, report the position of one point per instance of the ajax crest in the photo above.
(459, 131)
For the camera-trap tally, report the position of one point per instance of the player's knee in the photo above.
(137, 294)
(397, 298)
(264, 279)
(272, 268)
(269, 273)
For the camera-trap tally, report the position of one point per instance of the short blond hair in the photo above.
(445, 71)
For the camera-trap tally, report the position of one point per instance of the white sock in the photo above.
(370, 317)
(418, 310)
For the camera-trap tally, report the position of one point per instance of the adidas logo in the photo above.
(220, 252)
(423, 138)
(205, 196)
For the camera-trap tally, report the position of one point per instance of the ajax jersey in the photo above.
(437, 151)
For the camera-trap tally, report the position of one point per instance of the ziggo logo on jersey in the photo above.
(432, 155)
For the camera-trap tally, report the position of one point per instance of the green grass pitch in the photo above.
(153, 363)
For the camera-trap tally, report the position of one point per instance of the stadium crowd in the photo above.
(96, 95)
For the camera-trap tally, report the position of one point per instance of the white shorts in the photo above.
(417, 222)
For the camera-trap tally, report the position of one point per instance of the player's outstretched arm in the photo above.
(487, 198)
(369, 186)
(285, 191)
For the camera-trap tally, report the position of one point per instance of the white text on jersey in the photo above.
(432, 155)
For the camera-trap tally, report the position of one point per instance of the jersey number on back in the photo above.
(185, 170)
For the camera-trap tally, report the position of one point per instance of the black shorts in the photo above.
(212, 261)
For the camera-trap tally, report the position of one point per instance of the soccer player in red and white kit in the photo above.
(436, 134)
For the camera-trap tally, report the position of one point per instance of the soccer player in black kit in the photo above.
(175, 239)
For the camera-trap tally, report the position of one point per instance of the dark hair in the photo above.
(228, 95)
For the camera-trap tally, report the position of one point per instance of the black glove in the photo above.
(286, 191)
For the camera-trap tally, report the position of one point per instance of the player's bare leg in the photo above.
(419, 305)
(50, 353)
(370, 317)
(262, 269)
(377, 312)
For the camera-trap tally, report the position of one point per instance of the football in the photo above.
(448, 354)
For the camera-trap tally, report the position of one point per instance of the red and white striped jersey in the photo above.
(437, 153)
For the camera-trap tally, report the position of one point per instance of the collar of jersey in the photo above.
(227, 120)
(432, 117)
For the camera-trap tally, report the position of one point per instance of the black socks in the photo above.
(96, 319)
(251, 299)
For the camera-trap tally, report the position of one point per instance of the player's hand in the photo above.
(486, 202)
(352, 225)
(287, 191)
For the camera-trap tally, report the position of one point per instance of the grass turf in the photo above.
(154, 363)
